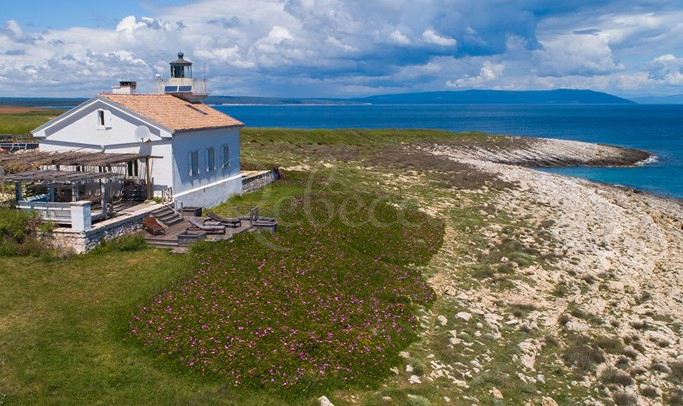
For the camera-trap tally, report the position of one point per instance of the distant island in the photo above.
(559, 96)
(674, 99)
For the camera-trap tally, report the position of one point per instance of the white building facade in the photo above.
(195, 149)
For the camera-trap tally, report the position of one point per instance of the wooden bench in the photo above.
(152, 226)
(210, 229)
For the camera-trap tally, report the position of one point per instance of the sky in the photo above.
(343, 48)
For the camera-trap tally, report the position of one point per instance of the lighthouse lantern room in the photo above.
(182, 83)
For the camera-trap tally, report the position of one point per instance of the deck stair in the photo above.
(161, 242)
(167, 216)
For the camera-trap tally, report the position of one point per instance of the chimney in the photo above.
(125, 87)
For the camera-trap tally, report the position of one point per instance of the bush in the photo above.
(18, 230)
(583, 355)
(611, 345)
(649, 392)
(625, 399)
(677, 370)
(613, 376)
(17, 224)
(675, 397)
(319, 304)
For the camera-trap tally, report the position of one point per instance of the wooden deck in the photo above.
(170, 238)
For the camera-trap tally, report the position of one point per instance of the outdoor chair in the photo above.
(226, 221)
(152, 226)
(210, 229)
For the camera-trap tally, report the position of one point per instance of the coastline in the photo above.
(614, 274)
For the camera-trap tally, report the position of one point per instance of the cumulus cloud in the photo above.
(434, 38)
(489, 72)
(667, 69)
(354, 47)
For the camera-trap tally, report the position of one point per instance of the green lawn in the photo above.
(23, 123)
(64, 334)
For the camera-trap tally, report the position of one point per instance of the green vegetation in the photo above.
(18, 233)
(129, 324)
(23, 123)
(326, 302)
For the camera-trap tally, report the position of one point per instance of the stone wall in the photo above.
(258, 181)
(82, 242)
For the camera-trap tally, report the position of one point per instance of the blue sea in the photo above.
(655, 128)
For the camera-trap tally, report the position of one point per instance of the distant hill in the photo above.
(560, 96)
(272, 100)
(40, 101)
(675, 99)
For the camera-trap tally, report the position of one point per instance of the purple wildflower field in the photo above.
(331, 305)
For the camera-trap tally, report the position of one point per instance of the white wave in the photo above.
(650, 160)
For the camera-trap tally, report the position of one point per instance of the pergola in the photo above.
(46, 166)
(59, 211)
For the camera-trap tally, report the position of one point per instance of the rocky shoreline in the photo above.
(546, 152)
(609, 302)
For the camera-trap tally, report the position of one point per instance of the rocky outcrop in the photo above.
(544, 152)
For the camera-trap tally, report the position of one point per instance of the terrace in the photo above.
(77, 188)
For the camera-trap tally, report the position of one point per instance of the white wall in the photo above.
(82, 127)
(208, 188)
(81, 131)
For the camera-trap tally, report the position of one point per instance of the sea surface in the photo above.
(655, 128)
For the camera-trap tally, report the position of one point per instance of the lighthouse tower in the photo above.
(182, 83)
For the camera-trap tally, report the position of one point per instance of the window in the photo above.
(194, 163)
(226, 156)
(103, 119)
(210, 159)
(132, 169)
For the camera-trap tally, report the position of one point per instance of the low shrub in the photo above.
(611, 345)
(614, 376)
(675, 397)
(649, 392)
(17, 224)
(625, 399)
(677, 370)
(18, 233)
(583, 355)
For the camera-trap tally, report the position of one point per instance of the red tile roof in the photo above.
(173, 112)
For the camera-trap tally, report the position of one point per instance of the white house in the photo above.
(195, 148)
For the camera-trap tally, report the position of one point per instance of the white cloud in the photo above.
(434, 38)
(488, 72)
(399, 38)
(320, 47)
(576, 54)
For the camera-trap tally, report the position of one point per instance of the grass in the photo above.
(23, 123)
(326, 303)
